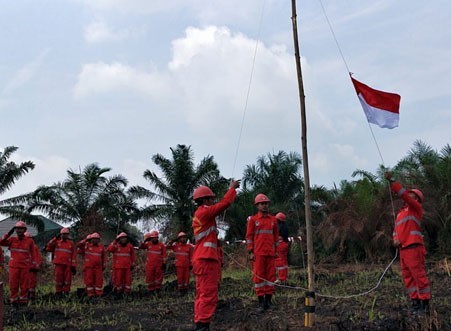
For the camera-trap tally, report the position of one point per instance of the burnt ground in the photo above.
(386, 308)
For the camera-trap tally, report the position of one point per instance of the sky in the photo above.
(117, 81)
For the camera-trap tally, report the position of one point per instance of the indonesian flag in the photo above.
(381, 108)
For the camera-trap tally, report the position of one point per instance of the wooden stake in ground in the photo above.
(310, 296)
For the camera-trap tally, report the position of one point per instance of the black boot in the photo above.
(268, 303)
(424, 306)
(261, 304)
(416, 305)
(202, 326)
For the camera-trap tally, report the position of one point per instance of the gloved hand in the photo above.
(34, 270)
(73, 270)
(132, 268)
(11, 231)
(190, 267)
(163, 266)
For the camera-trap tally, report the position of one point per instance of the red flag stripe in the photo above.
(378, 99)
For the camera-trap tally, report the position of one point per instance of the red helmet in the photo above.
(418, 193)
(121, 235)
(94, 235)
(281, 217)
(64, 230)
(21, 224)
(154, 234)
(88, 237)
(181, 234)
(202, 192)
(259, 198)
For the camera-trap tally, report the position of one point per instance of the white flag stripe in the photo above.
(380, 117)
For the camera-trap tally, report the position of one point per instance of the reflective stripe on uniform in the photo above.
(63, 250)
(408, 218)
(205, 233)
(210, 244)
(264, 232)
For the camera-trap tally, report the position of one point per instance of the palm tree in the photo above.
(9, 173)
(87, 199)
(169, 201)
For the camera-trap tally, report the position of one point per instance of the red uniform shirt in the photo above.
(156, 253)
(262, 234)
(123, 256)
(94, 255)
(63, 251)
(182, 253)
(204, 227)
(408, 221)
(22, 251)
(282, 252)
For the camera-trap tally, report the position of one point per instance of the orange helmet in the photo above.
(202, 192)
(259, 198)
(94, 235)
(181, 234)
(121, 235)
(64, 230)
(418, 193)
(21, 224)
(154, 234)
(281, 217)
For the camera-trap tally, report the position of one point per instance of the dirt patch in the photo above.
(387, 308)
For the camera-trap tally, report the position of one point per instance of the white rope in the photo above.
(317, 293)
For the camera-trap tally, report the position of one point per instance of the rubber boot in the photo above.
(202, 326)
(261, 304)
(268, 303)
(424, 306)
(416, 305)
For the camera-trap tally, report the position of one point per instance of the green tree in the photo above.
(88, 199)
(169, 200)
(9, 173)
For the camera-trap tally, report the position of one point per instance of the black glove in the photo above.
(11, 231)
(73, 270)
(163, 266)
(132, 268)
(34, 270)
(190, 267)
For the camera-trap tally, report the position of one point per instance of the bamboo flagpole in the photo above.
(309, 314)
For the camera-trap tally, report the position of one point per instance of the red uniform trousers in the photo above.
(93, 278)
(264, 274)
(207, 273)
(63, 278)
(182, 277)
(154, 276)
(122, 280)
(18, 279)
(282, 268)
(32, 282)
(414, 273)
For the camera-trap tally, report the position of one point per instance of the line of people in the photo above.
(26, 261)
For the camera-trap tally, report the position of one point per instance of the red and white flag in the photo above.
(381, 108)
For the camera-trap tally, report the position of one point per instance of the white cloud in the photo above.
(103, 78)
(25, 74)
(99, 31)
(47, 171)
(347, 152)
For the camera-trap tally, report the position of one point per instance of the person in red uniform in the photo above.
(124, 259)
(183, 253)
(282, 261)
(34, 269)
(64, 259)
(22, 258)
(262, 237)
(94, 264)
(206, 265)
(408, 237)
(155, 261)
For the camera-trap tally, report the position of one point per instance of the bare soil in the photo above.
(386, 308)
